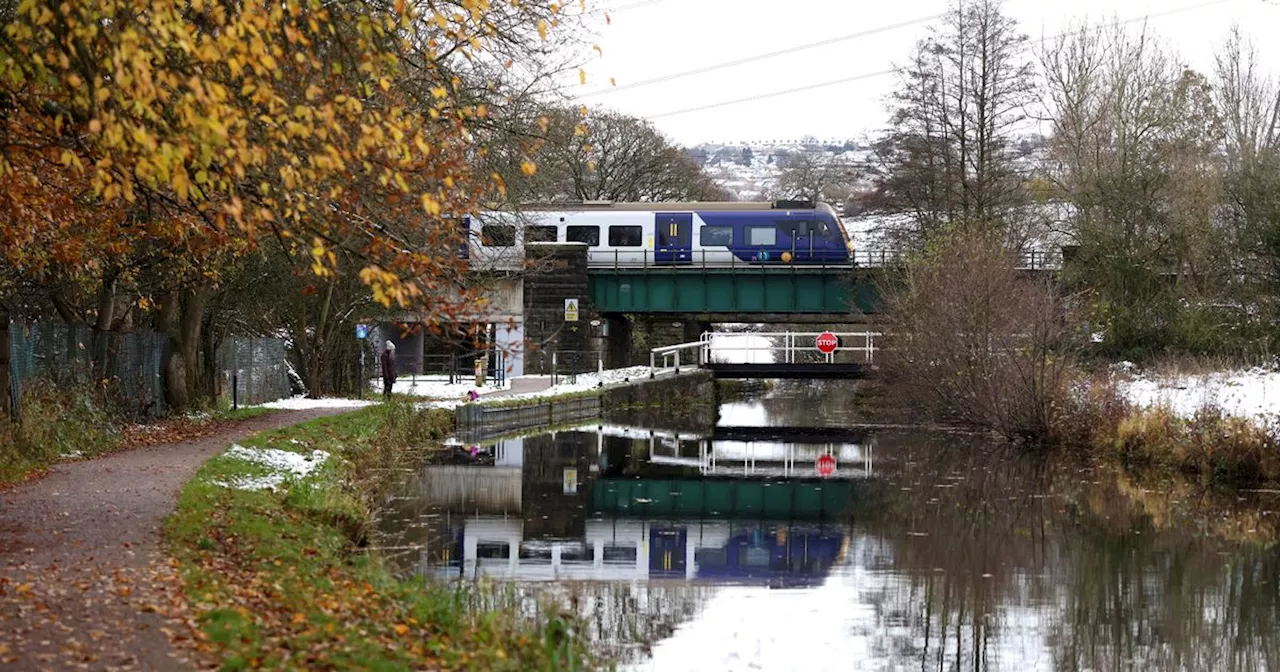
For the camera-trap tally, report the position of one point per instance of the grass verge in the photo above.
(277, 577)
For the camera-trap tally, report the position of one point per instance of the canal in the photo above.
(724, 549)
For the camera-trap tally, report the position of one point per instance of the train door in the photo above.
(673, 243)
(802, 234)
(667, 552)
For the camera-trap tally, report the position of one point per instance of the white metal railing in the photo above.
(669, 353)
(789, 344)
(780, 348)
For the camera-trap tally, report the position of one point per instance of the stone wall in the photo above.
(683, 401)
(558, 272)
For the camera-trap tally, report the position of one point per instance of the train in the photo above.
(706, 234)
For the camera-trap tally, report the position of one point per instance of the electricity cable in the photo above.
(890, 71)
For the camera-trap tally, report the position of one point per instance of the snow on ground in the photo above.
(586, 381)
(1253, 393)
(438, 387)
(282, 464)
(741, 349)
(303, 403)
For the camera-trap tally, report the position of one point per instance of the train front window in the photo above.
(540, 234)
(710, 236)
(582, 234)
(498, 235)
(762, 236)
(626, 236)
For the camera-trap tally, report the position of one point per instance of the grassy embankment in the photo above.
(60, 425)
(280, 579)
(1211, 447)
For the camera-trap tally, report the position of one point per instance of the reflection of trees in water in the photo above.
(990, 553)
(623, 621)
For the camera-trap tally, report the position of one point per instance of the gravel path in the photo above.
(83, 584)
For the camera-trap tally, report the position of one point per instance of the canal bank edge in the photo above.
(278, 576)
(687, 399)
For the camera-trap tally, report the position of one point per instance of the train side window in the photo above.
(582, 234)
(498, 235)
(716, 235)
(762, 236)
(540, 234)
(803, 228)
(626, 236)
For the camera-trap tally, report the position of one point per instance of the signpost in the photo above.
(826, 465)
(362, 333)
(570, 310)
(826, 342)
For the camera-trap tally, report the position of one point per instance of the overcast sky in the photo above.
(656, 38)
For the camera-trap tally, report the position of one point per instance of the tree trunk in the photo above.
(181, 319)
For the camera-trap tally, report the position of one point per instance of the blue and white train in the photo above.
(707, 234)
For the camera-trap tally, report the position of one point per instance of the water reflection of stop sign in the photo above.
(826, 342)
(826, 465)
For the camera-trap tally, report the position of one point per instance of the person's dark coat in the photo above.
(389, 366)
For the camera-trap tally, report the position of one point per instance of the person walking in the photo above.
(388, 369)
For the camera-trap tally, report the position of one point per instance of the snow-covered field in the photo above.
(280, 463)
(1253, 393)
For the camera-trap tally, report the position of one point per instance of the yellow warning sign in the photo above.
(570, 310)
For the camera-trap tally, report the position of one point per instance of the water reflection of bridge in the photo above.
(615, 502)
(618, 470)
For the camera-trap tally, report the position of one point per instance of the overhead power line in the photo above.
(890, 71)
(760, 57)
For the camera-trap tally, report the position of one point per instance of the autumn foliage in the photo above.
(202, 128)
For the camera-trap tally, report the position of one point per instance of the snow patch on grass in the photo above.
(281, 464)
(301, 403)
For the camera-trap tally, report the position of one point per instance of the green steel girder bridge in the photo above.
(642, 286)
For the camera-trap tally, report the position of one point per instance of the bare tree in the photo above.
(1133, 151)
(949, 157)
(1248, 103)
(814, 176)
(610, 156)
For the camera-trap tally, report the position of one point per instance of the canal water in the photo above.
(724, 549)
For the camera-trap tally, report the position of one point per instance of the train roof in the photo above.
(683, 206)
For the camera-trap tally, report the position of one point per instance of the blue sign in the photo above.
(362, 331)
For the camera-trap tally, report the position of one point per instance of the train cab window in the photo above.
(762, 236)
(716, 235)
(582, 234)
(794, 228)
(540, 234)
(498, 235)
(626, 236)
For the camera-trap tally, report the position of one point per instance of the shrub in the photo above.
(977, 342)
(56, 422)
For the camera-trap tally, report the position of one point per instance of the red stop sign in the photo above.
(826, 342)
(826, 465)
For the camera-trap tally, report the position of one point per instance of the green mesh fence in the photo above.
(130, 365)
(257, 368)
(129, 369)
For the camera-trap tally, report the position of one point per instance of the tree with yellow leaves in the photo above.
(338, 131)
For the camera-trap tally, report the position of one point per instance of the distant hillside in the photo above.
(749, 170)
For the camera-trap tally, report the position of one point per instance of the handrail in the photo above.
(793, 343)
(669, 351)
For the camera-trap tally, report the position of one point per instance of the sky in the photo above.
(648, 39)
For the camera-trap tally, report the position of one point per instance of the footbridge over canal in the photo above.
(773, 355)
